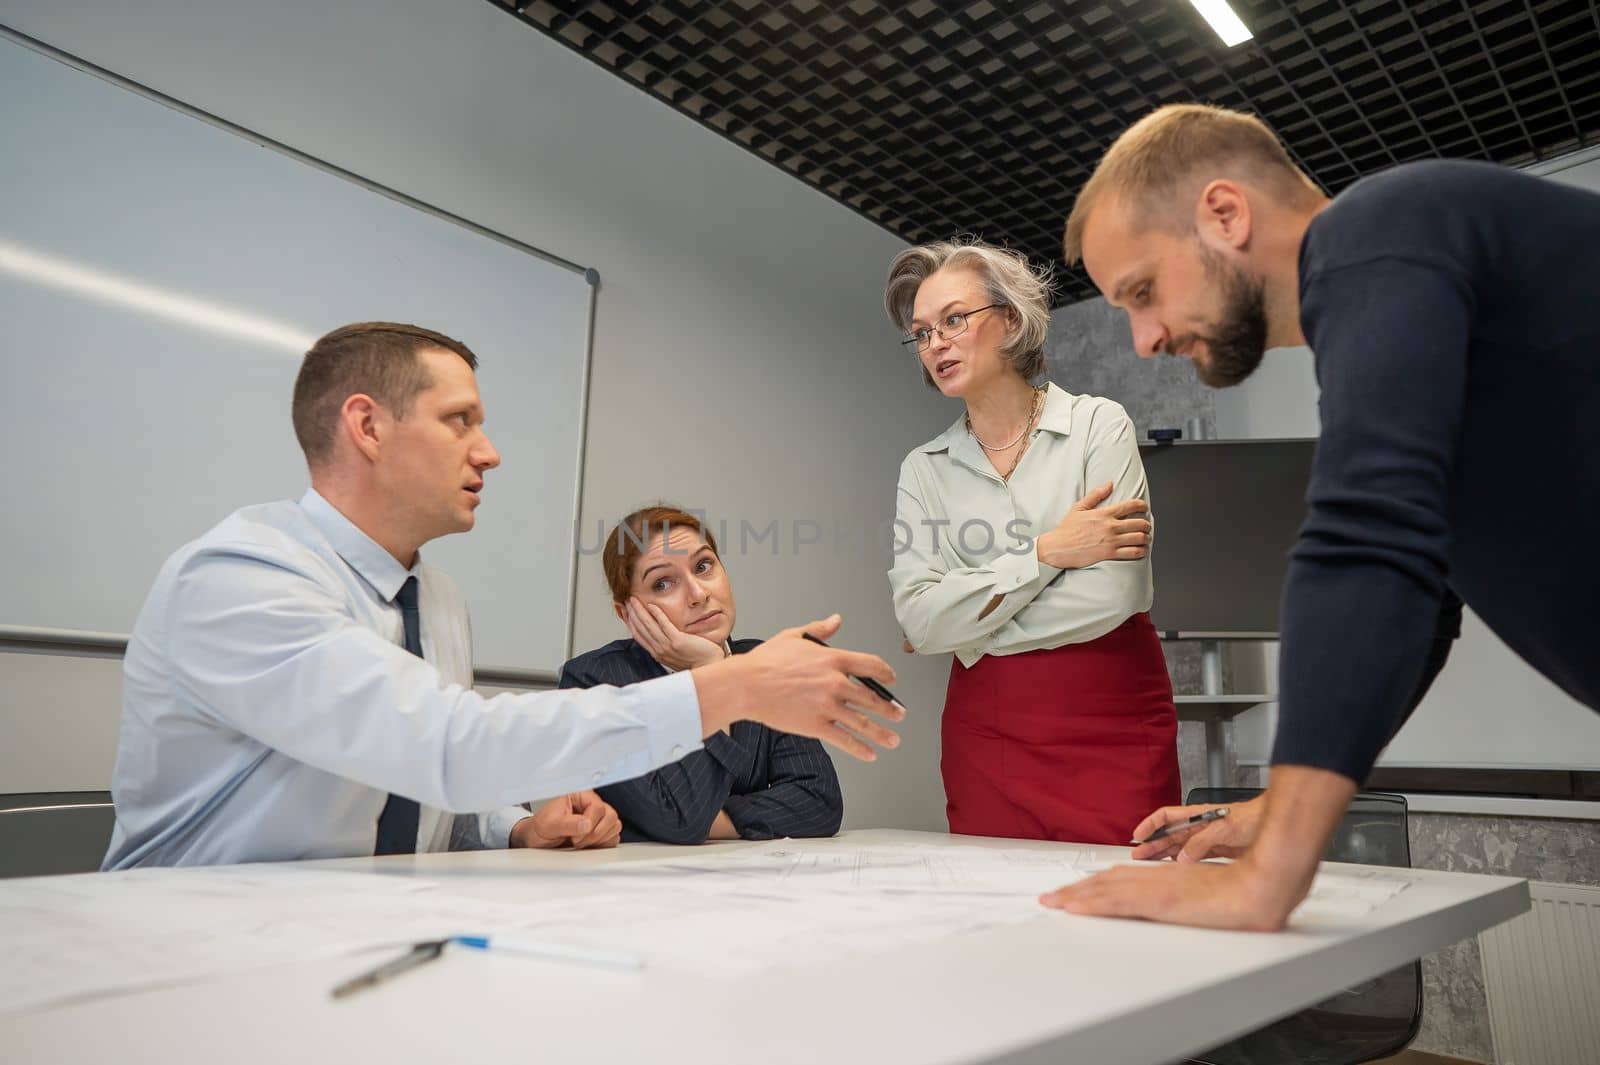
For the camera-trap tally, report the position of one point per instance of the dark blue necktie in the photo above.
(397, 825)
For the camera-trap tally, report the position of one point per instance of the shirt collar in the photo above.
(1056, 418)
(360, 552)
(1057, 414)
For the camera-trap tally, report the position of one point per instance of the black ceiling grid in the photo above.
(933, 118)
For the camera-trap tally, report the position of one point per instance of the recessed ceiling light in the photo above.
(1223, 20)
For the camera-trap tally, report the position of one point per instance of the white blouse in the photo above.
(964, 536)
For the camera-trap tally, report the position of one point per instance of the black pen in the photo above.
(422, 952)
(871, 685)
(1172, 826)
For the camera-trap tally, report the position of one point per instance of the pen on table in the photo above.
(1173, 826)
(433, 948)
(611, 959)
(873, 686)
(422, 952)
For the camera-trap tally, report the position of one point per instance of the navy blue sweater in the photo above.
(772, 784)
(1454, 312)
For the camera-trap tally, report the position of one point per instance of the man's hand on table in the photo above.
(1201, 894)
(1281, 837)
(581, 820)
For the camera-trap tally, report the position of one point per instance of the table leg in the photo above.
(1216, 750)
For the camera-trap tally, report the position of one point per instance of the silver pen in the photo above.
(1174, 826)
(417, 955)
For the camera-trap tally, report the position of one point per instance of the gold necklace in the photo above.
(1033, 415)
(1023, 450)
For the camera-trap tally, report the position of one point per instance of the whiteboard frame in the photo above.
(491, 674)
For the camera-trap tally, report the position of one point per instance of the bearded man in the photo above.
(1450, 307)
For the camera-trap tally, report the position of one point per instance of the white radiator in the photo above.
(1542, 974)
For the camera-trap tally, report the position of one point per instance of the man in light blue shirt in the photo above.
(271, 710)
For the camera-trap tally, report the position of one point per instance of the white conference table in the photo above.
(1059, 989)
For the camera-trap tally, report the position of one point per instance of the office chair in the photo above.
(1372, 1020)
(43, 834)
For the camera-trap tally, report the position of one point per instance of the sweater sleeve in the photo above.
(1367, 576)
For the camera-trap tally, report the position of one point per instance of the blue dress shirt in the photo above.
(771, 783)
(268, 708)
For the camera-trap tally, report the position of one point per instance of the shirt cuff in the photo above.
(672, 718)
(1013, 571)
(497, 826)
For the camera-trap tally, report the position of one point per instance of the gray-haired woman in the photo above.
(1023, 547)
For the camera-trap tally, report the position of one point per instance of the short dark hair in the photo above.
(375, 358)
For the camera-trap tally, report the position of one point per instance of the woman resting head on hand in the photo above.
(669, 588)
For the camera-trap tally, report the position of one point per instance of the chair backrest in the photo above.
(1372, 832)
(56, 832)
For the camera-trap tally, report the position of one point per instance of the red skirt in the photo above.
(1074, 743)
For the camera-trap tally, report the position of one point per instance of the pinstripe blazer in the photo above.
(772, 784)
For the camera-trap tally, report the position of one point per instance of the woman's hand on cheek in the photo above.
(673, 648)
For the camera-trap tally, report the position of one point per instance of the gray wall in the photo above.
(1090, 350)
(1455, 1017)
(741, 360)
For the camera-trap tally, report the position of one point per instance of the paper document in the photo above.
(1343, 894)
(72, 937)
(721, 912)
(731, 936)
(782, 868)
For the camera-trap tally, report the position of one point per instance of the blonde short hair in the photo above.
(1007, 276)
(1171, 149)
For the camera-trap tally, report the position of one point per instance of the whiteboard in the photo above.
(160, 278)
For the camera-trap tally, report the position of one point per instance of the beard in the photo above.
(1237, 341)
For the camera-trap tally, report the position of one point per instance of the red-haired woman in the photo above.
(669, 588)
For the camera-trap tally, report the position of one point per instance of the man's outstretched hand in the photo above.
(794, 685)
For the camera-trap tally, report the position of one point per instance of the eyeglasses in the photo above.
(954, 325)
